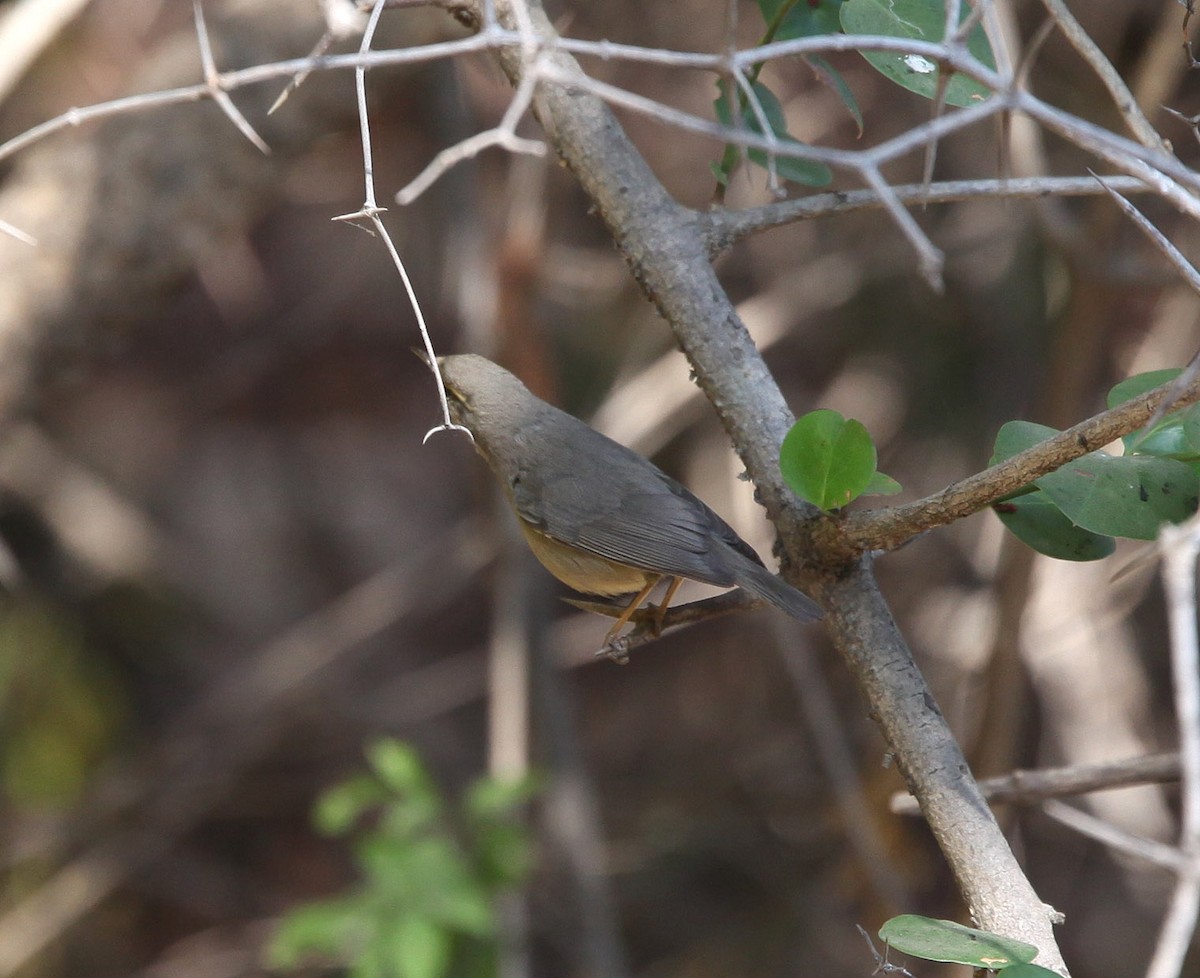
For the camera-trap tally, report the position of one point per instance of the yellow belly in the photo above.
(584, 571)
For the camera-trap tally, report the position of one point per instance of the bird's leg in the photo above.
(633, 606)
(661, 611)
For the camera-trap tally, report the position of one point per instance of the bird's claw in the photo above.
(616, 649)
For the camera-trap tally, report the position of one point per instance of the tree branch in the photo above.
(886, 529)
(727, 227)
(1034, 787)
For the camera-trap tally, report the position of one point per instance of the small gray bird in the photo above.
(599, 517)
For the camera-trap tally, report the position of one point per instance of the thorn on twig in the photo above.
(882, 965)
(1193, 121)
(356, 219)
(298, 79)
(343, 18)
(212, 78)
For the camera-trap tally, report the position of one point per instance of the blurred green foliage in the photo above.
(431, 872)
(61, 709)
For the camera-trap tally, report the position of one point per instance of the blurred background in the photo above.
(229, 562)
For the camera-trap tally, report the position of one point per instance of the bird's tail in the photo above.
(763, 584)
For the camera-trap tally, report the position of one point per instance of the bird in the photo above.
(597, 515)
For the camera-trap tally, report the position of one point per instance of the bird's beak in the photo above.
(421, 355)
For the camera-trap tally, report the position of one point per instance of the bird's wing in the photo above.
(645, 519)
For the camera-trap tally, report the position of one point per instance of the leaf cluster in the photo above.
(430, 874)
(1077, 511)
(919, 20)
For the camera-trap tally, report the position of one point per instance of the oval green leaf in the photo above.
(827, 459)
(921, 20)
(1138, 384)
(944, 940)
(1175, 436)
(1029, 971)
(1016, 436)
(1131, 496)
(1038, 523)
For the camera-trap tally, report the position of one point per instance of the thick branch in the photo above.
(998, 896)
(886, 529)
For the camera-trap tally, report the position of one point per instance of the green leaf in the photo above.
(1171, 438)
(1025, 970)
(1130, 496)
(922, 20)
(398, 766)
(328, 929)
(416, 947)
(339, 809)
(800, 18)
(1191, 429)
(882, 485)
(1177, 435)
(944, 940)
(1138, 384)
(827, 459)
(1037, 522)
(796, 170)
(412, 871)
(490, 798)
(505, 855)
(465, 909)
(789, 19)
(1015, 437)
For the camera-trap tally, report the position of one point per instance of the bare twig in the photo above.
(1118, 91)
(503, 135)
(727, 227)
(1107, 834)
(882, 965)
(1187, 272)
(1166, 175)
(1185, 268)
(212, 78)
(1180, 546)
(342, 19)
(371, 210)
(1034, 787)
